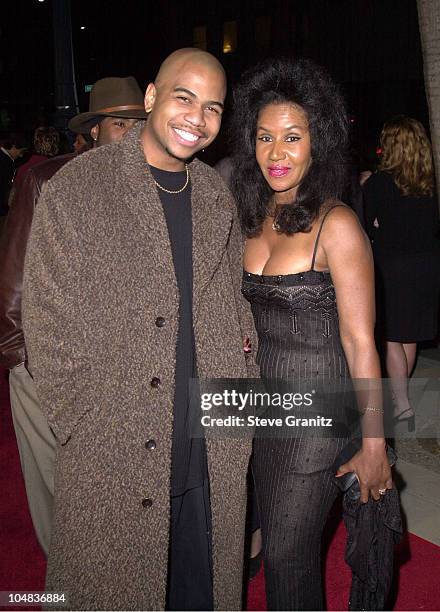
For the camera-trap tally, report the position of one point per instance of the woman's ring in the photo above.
(382, 491)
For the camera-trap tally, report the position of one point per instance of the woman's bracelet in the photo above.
(376, 409)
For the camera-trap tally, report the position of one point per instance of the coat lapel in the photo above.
(211, 219)
(138, 184)
(139, 194)
(211, 224)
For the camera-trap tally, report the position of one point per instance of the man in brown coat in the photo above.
(132, 286)
(114, 107)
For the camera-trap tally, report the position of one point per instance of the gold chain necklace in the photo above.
(276, 214)
(177, 190)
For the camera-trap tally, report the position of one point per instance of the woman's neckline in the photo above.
(286, 275)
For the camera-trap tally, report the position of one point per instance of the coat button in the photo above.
(147, 502)
(155, 382)
(150, 444)
(160, 322)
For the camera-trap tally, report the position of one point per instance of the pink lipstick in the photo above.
(278, 171)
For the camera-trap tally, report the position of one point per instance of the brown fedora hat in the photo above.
(111, 97)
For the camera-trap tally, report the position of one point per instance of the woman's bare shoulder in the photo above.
(337, 212)
(341, 222)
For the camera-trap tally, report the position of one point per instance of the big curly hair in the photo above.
(303, 84)
(46, 141)
(407, 156)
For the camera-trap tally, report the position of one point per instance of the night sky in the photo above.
(372, 47)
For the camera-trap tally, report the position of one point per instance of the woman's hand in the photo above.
(370, 464)
(247, 346)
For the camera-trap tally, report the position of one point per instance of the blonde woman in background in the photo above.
(403, 221)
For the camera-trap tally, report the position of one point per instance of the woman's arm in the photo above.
(372, 191)
(347, 250)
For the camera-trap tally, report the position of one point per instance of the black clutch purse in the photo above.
(348, 483)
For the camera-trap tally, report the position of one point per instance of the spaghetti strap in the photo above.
(319, 234)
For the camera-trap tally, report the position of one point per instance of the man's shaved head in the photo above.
(183, 58)
(185, 106)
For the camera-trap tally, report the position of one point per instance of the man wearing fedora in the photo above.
(115, 106)
(143, 295)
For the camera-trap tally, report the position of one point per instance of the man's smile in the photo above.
(185, 137)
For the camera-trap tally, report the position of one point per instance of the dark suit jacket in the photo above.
(7, 170)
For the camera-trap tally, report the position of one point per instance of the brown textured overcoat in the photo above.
(99, 272)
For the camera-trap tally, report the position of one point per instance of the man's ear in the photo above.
(94, 132)
(150, 97)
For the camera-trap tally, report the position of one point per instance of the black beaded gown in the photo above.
(299, 347)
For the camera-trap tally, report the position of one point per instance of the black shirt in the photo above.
(188, 462)
(407, 224)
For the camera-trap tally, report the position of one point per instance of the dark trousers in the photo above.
(190, 556)
(295, 492)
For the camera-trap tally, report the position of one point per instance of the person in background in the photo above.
(11, 150)
(108, 121)
(352, 194)
(115, 106)
(309, 277)
(403, 222)
(82, 143)
(46, 144)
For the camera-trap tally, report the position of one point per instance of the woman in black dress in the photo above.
(403, 222)
(309, 278)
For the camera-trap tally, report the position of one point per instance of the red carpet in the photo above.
(22, 565)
